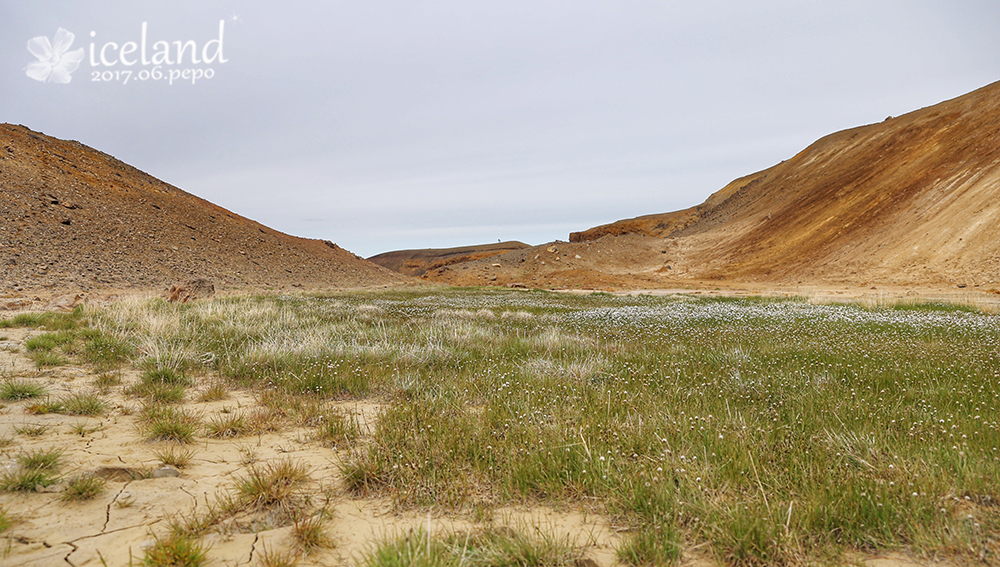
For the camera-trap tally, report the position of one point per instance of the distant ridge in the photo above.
(418, 262)
(76, 218)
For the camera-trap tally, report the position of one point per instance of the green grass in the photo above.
(46, 358)
(48, 341)
(154, 393)
(651, 545)
(51, 321)
(16, 390)
(107, 352)
(166, 376)
(6, 521)
(763, 431)
(89, 405)
(338, 430)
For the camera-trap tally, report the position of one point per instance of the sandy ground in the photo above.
(118, 525)
(124, 520)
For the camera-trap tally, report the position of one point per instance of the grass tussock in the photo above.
(35, 469)
(275, 483)
(166, 423)
(83, 487)
(17, 390)
(270, 557)
(175, 456)
(310, 534)
(176, 551)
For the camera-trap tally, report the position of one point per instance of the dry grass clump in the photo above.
(174, 456)
(216, 391)
(310, 534)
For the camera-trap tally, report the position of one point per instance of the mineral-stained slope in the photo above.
(912, 201)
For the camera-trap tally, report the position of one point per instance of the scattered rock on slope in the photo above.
(73, 218)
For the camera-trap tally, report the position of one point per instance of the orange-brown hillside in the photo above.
(914, 201)
(418, 262)
(74, 218)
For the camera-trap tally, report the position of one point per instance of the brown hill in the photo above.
(911, 201)
(418, 262)
(74, 218)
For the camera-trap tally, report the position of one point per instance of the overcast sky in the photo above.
(388, 125)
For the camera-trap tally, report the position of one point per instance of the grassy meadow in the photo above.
(751, 431)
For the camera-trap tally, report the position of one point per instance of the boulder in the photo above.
(65, 302)
(199, 288)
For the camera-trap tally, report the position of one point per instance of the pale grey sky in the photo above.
(385, 125)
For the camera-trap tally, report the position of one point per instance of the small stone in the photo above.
(166, 471)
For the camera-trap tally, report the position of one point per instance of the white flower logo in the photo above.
(54, 63)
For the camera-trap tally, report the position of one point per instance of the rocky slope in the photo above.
(74, 218)
(912, 201)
